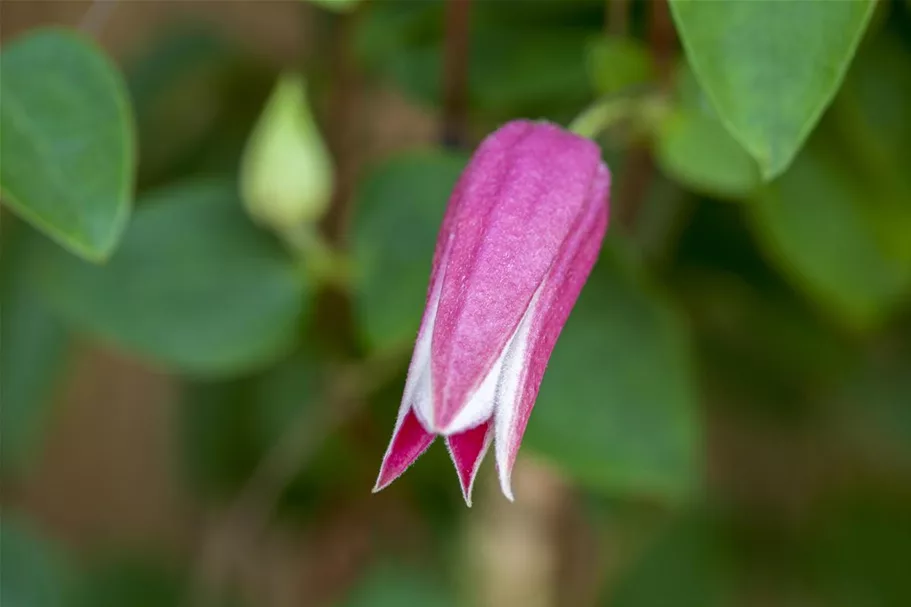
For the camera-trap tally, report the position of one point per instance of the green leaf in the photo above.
(601, 416)
(31, 356)
(682, 568)
(67, 141)
(870, 115)
(811, 221)
(407, 192)
(694, 148)
(35, 574)
(616, 63)
(771, 68)
(194, 287)
(393, 585)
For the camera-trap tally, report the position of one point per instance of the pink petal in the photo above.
(409, 441)
(467, 450)
(525, 189)
(552, 306)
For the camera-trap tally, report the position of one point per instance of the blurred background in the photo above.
(199, 420)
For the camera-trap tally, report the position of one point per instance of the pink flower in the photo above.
(522, 231)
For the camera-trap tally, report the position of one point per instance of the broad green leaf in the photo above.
(32, 346)
(683, 567)
(615, 64)
(194, 287)
(66, 141)
(771, 68)
(812, 223)
(404, 195)
(35, 573)
(393, 585)
(602, 416)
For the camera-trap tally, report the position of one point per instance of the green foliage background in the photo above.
(726, 419)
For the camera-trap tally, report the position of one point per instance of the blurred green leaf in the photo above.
(217, 431)
(683, 567)
(35, 573)
(407, 193)
(771, 68)
(694, 148)
(67, 140)
(861, 552)
(195, 286)
(227, 428)
(515, 70)
(181, 84)
(397, 585)
(812, 223)
(33, 345)
(129, 581)
(616, 63)
(871, 116)
(617, 407)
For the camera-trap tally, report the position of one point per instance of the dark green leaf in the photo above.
(33, 343)
(35, 573)
(195, 286)
(404, 196)
(771, 68)
(617, 407)
(812, 223)
(67, 140)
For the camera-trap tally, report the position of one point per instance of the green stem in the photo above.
(323, 263)
(606, 113)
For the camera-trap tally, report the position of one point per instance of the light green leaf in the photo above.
(66, 141)
(812, 223)
(771, 68)
(35, 573)
(407, 194)
(195, 286)
(338, 6)
(601, 415)
(32, 345)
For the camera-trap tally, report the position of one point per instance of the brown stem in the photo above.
(616, 21)
(455, 73)
(640, 165)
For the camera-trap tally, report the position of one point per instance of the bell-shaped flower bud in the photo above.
(286, 172)
(520, 236)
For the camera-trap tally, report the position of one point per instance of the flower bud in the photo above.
(286, 172)
(521, 234)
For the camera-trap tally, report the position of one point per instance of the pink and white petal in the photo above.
(553, 303)
(514, 207)
(467, 450)
(409, 441)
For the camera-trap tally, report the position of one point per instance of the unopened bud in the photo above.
(286, 173)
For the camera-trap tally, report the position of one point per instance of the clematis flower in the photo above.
(523, 229)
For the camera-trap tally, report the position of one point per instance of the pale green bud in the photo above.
(339, 6)
(286, 175)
